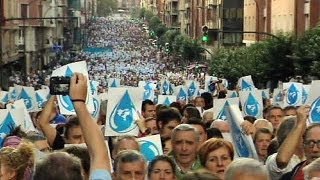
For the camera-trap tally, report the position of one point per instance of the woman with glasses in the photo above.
(17, 163)
(162, 167)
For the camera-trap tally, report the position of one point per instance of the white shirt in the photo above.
(274, 171)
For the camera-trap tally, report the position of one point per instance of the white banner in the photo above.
(150, 146)
(252, 104)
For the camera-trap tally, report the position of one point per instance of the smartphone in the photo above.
(59, 85)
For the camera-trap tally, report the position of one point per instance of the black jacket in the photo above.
(291, 174)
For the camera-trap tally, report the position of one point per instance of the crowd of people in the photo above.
(195, 144)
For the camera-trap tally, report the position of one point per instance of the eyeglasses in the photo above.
(311, 143)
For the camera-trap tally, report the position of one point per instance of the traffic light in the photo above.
(205, 36)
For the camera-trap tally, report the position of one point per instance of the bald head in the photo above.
(222, 125)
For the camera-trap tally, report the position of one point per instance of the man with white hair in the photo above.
(222, 125)
(246, 168)
(263, 123)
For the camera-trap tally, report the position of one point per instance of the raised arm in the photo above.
(92, 134)
(47, 114)
(291, 142)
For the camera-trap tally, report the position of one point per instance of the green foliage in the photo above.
(106, 7)
(307, 54)
(267, 60)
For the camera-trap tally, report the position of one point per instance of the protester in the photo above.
(17, 163)
(162, 167)
(215, 155)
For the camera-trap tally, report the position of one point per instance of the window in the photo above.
(24, 10)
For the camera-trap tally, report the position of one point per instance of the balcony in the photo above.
(174, 12)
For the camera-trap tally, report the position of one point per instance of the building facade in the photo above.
(279, 16)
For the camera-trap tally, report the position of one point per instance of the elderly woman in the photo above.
(16, 163)
(215, 155)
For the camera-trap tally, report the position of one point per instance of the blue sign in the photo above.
(7, 126)
(314, 113)
(292, 95)
(149, 150)
(252, 106)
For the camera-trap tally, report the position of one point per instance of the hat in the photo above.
(12, 141)
(59, 119)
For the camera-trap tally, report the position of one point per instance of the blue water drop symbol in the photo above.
(252, 106)
(5, 99)
(314, 113)
(246, 86)
(40, 101)
(123, 116)
(148, 91)
(69, 72)
(304, 96)
(96, 107)
(27, 99)
(149, 150)
(14, 94)
(65, 100)
(92, 88)
(192, 89)
(170, 89)
(279, 97)
(6, 127)
(292, 96)
(223, 114)
(182, 96)
(165, 87)
(242, 146)
(234, 95)
(114, 84)
(167, 102)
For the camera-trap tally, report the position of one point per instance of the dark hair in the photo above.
(289, 108)
(82, 153)
(214, 133)
(167, 115)
(127, 156)
(250, 118)
(161, 158)
(177, 105)
(192, 112)
(18, 132)
(58, 165)
(73, 122)
(197, 121)
(208, 100)
(273, 147)
(145, 103)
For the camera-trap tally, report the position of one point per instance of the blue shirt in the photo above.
(100, 174)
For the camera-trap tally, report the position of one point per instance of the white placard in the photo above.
(246, 84)
(244, 146)
(292, 94)
(150, 146)
(166, 99)
(220, 107)
(122, 107)
(252, 104)
(64, 102)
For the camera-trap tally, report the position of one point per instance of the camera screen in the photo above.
(61, 88)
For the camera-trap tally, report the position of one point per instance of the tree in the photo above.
(306, 53)
(106, 7)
